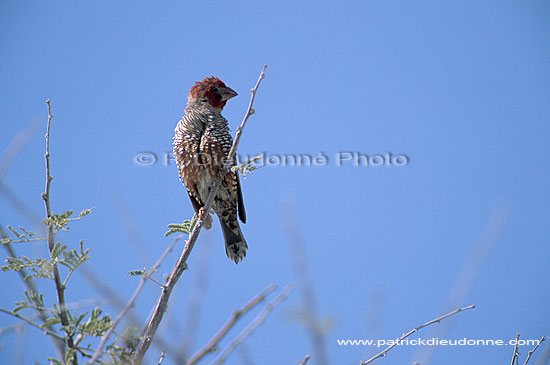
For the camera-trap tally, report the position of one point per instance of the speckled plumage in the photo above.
(201, 144)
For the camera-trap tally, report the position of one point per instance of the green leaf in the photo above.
(58, 249)
(137, 272)
(51, 321)
(84, 213)
(20, 305)
(28, 233)
(186, 227)
(6, 240)
(15, 232)
(247, 167)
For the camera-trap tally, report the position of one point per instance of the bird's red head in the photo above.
(213, 90)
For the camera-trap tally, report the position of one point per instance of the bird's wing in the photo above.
(240, 200)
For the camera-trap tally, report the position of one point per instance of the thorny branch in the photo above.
(131, 302)
(181, 265)
(384, 352)
(235, 316)
(60, 288)
(260, 318)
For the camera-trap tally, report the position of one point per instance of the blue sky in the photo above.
(461, 88)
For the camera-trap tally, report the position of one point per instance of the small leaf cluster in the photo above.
(247, 167)
(185, 227)
(81, 325)
(123, 353)
(42, 268)
(22, 236)
(60, 221)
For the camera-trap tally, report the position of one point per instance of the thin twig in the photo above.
(244, 354)
(132, 229)
(196, 298)
(32, 323)
(7, 158)
(20, 140)
(13, 328)
(51, 242)
(31, 287)
(515, 357)
(235, 316)
(162, 356)
(115, 300)
(12, 151)
(181, 265)
(260, 318)
(533, 350)
(130, 303)
(10, 154)
(249, 112)
(19, 206)
(384, 352)
(20, 344)
(466, 277)
(306, 288)
(148, 276)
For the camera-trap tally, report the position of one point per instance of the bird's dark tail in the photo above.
(235, 244)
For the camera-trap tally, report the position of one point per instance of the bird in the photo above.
(201, 144)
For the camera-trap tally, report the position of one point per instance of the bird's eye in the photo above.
(215, 89)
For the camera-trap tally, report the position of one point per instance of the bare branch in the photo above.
(119, 303)
(384, 352)
(249, 112)
(32, 323)
(9, 155)
(181, 265)
(305, 284)
(16, 145)
(131, 302)
(465, 279)
(260, 318)
(533, 350)
(162, 356)
(51, 241)
(213, 342)
(515, 356)
(196, 298)
(7, 158)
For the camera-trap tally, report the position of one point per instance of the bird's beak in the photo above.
(228, 93)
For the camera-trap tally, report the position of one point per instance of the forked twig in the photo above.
(384, 352)
(235, 316)
(533, 350)
(130, 303)
(260, 318)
